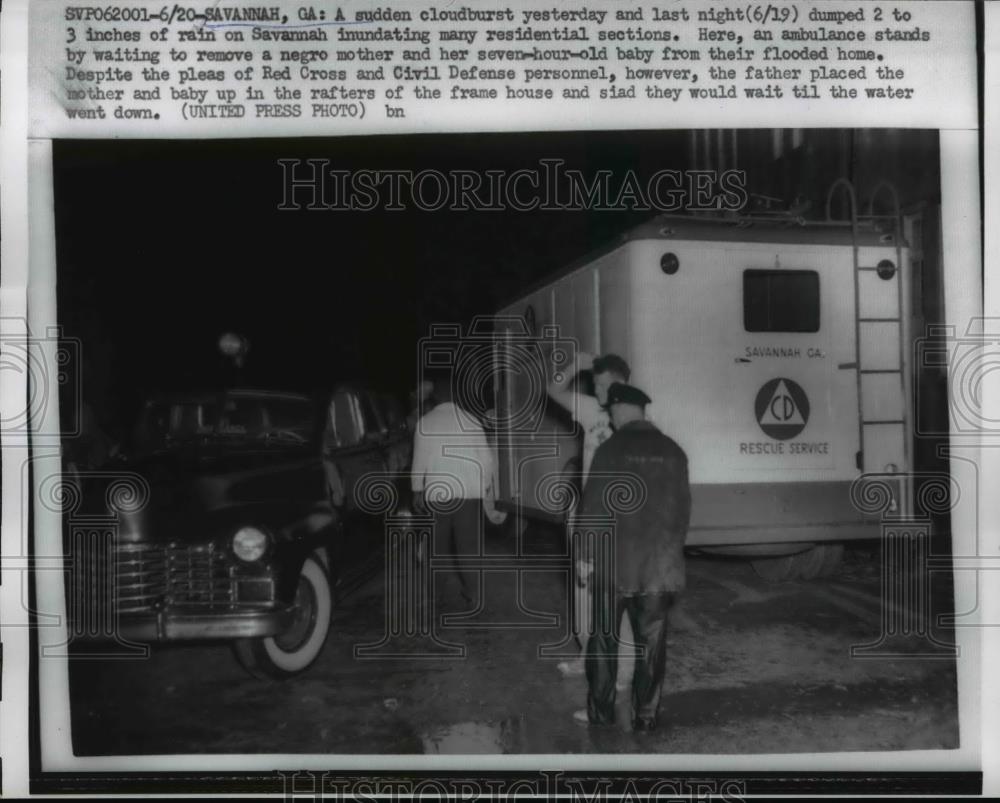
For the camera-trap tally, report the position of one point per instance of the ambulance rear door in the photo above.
(794, 412)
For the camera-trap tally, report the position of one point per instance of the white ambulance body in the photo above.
(776, 355)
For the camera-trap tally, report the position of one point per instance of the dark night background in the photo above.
(164, 245)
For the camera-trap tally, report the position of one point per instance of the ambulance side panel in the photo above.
(615, 300)
(533, 458)
(528, 441)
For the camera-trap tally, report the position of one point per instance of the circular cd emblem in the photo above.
(782, 408)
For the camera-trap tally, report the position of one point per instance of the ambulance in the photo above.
(776, 353)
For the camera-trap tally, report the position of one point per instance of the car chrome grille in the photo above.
(142, 581)
(156, 574)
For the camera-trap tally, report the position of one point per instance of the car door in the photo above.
(398, 441)
(344, 444)
(353, 444)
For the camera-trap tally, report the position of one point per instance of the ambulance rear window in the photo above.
(781, 301)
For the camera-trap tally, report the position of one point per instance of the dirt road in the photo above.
(752, 668)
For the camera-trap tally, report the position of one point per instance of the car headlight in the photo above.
(250, 544)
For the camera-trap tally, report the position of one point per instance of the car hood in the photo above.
(196, 494)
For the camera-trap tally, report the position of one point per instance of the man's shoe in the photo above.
(644, 725)
(571, 669)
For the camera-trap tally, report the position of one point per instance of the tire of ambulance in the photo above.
(822, 560)
(775, 570)
(809, 564)
(294, 651)
(832, 558)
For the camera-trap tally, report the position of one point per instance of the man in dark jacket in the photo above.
(638, 480)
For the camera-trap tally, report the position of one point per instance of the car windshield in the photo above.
(283, 419)
(289, 418)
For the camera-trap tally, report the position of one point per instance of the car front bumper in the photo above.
(183, 625)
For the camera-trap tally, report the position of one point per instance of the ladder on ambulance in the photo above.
(869, 334)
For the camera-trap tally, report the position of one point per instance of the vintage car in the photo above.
(250, 532)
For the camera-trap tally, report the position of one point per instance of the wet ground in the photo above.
(752, 667)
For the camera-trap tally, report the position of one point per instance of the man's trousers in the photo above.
(458, 533)
(648, 616)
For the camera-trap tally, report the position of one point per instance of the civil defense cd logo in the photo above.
(782, 408)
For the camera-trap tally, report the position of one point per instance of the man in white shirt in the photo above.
(453, 472)
(590, 413)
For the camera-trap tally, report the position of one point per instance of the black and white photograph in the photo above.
(543, 443)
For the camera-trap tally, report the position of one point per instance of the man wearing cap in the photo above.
(648, 552)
